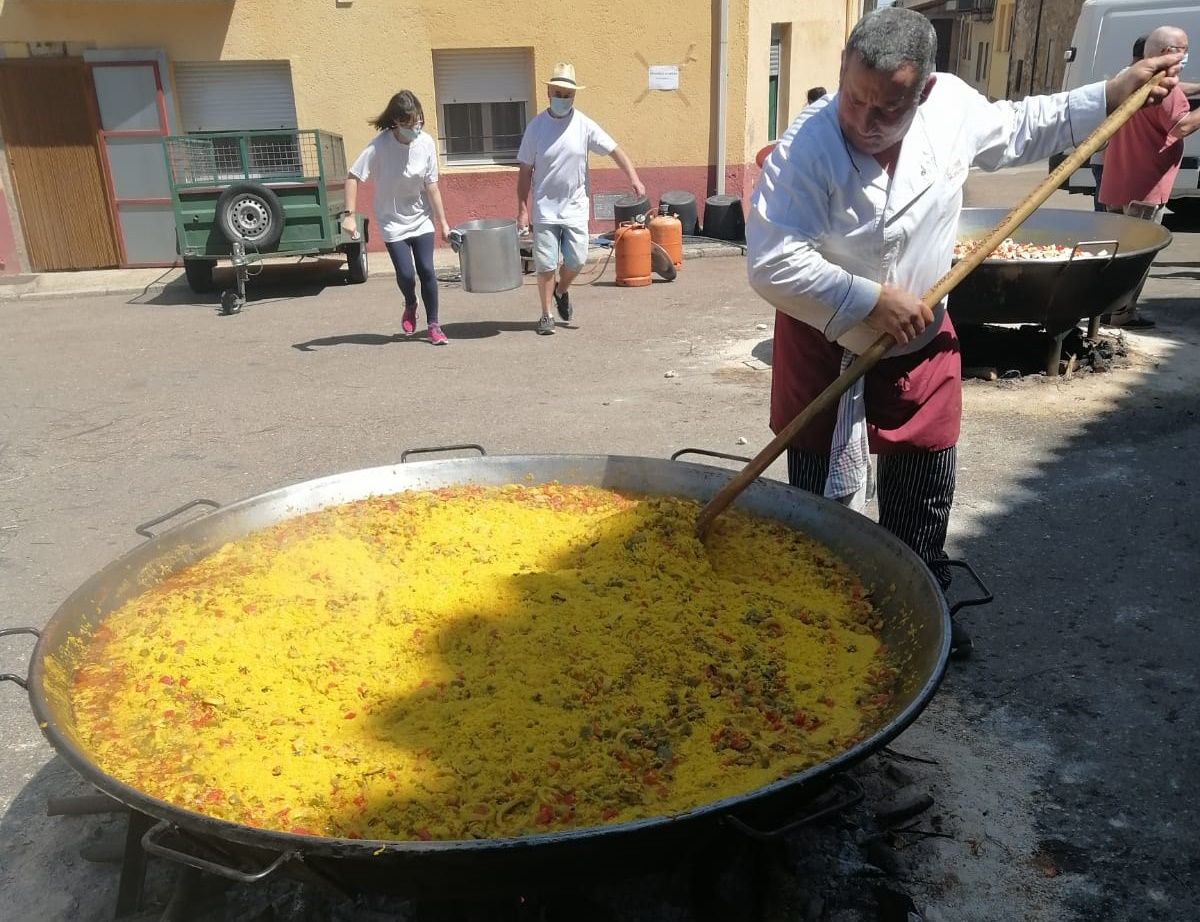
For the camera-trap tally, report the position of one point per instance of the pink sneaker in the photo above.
(408, 323)
(436, 336)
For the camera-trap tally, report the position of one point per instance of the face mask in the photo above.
(1183, 60)
(408, 134)
(560, 106)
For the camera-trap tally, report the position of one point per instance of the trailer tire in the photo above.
(250, 213)
(199, 274)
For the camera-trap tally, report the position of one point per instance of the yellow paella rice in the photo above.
(483, 662)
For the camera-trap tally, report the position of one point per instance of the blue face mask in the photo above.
(1183, 60)
(408, 134)
(560, 106)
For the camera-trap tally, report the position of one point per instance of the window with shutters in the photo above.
(484, 99)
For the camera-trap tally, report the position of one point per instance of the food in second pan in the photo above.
(484, 662)
(1010, 249)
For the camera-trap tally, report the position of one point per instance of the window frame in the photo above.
(480, 80)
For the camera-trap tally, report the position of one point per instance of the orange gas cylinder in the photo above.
(632, 243)
(667, 231)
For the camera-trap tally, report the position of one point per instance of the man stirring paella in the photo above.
(855, 216)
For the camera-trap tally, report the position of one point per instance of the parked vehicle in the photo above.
(1102, 45)
(242, 195)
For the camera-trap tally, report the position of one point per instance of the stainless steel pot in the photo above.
(489, 256)
(916, 627)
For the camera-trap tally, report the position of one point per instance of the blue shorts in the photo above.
(552, 242)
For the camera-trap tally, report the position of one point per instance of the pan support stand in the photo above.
(1054, 355)
(133, 858)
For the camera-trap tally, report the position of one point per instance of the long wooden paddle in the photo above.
(869, 358)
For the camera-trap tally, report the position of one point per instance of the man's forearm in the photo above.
(1186, 125)
(626, 165)
(524, 183)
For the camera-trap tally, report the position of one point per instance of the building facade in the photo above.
(88, 89)
(1007, 49)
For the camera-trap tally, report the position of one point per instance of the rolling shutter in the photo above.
(235, 95)
(493, 75)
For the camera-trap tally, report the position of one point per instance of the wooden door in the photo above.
(47, 115)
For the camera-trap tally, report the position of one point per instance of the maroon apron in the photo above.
(914, 401)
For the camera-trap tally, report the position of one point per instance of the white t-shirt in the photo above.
(557, 149)
(401, 172)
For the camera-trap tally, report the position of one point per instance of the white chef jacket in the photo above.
(827, 225)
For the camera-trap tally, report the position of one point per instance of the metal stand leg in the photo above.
(1093, 327)
(1054, 355)
(84, 805)
(133, 870)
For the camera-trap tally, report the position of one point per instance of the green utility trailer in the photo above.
(243, 195)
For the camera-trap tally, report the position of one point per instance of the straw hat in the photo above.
(564, 76)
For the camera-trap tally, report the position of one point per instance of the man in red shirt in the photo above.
(1143, 158)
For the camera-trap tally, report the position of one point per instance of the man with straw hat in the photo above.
(553, 158)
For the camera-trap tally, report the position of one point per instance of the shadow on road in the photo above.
(267, 283)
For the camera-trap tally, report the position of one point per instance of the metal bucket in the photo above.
(489, 258)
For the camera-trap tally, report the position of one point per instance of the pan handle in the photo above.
(469, 446)
(1115, 244)
(710, 454)
(853, 794)
(12, 631)
(154, 847)
(968, 603)
(144, 528)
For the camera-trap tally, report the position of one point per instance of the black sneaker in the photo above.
(563, 303)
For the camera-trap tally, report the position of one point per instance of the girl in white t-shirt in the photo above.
(402, 161)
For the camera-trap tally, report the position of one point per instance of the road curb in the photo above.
(30, 291)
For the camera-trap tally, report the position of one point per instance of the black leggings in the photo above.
(916, 491)
(419, 250)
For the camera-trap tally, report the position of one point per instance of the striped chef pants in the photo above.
(916, 491)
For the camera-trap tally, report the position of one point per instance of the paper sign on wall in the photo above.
(664, 77)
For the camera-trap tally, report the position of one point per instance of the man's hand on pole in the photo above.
(1133, 77)
(902, 315)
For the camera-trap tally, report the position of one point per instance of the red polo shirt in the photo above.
(1139, 164)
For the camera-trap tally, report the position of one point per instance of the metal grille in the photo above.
(333, 156)
(227, 156)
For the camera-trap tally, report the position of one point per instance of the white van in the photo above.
(1103, 44)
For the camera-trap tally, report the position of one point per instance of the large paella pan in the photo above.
(914, 625)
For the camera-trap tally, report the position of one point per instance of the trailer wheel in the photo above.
(356, 262)
(199, 274)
